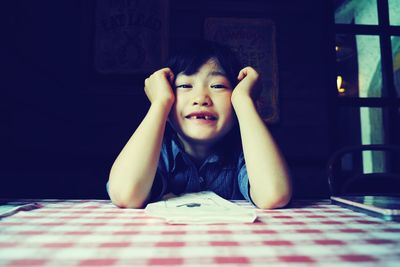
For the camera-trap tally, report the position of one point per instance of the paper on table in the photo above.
(200, 208)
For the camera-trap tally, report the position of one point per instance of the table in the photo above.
(96, 233)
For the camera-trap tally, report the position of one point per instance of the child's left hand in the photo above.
(248, 85)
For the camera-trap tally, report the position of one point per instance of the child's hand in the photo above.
(248, 85)
(158, 87)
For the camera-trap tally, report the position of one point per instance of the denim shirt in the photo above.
(177, 173)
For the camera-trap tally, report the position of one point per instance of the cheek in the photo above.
(226, 108)
(175, 114)
(226, 105)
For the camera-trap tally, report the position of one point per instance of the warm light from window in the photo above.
(339, 81)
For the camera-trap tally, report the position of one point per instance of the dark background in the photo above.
(62, 125)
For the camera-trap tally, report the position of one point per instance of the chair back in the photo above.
(354, 171)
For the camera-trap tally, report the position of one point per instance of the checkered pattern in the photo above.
(96, 233)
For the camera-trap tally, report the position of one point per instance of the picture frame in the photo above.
(130, 37)
(253, 41)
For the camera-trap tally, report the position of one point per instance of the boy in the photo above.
(199, 96)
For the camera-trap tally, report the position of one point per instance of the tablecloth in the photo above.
(96, 233)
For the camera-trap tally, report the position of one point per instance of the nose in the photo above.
(202, 99)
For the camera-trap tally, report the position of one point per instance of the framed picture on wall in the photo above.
(253, 41)
(130, 36)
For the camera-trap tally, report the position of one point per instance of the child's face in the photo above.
(202, 112)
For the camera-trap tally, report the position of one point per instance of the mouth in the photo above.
(201, 116)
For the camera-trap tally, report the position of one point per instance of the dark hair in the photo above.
(190, 56)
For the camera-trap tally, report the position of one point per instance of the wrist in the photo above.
(241, 100)
(163, 104)
(244, 107)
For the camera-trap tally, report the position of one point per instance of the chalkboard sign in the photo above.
(130, 35)
(253, 40)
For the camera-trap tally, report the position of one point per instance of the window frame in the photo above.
(389, 103)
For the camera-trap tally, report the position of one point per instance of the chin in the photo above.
(201, 139)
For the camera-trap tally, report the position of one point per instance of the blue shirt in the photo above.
(223, 172)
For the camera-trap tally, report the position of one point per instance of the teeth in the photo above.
(201, 117)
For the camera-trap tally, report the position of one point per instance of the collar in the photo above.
(179, 153)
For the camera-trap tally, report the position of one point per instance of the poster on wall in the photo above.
(253, 41)
(130, 35)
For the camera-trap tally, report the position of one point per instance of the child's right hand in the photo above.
(158, 87)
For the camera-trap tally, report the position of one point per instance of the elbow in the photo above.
(273, 204)
(127, 203)
(126, 200)
(272, 201)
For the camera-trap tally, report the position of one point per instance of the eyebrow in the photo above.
(217, 73)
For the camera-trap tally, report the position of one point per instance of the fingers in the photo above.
(242, 74)
(158, 86)
(169, 74)
(247, 71)
(159, 75)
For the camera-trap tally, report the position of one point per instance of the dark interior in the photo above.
(63, 123)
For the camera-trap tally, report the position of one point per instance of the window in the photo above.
(368, 75)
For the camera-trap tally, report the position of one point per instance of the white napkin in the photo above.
(200, 208)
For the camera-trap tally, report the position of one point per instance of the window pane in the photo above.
(356, 12)
(372, 132)
(396, 62)
(371, 122)
(363, 126)
(394, 12)
(358, 66)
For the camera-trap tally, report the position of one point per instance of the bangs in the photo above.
(187, 64)
(192, 55)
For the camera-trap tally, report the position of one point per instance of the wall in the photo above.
(63, 125)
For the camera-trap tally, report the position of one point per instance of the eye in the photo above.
(219, 86)
(184, 86)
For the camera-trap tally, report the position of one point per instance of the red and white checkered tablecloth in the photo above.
(96, 233)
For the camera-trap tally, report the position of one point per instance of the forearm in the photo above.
(133, 172)
(270, 185)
